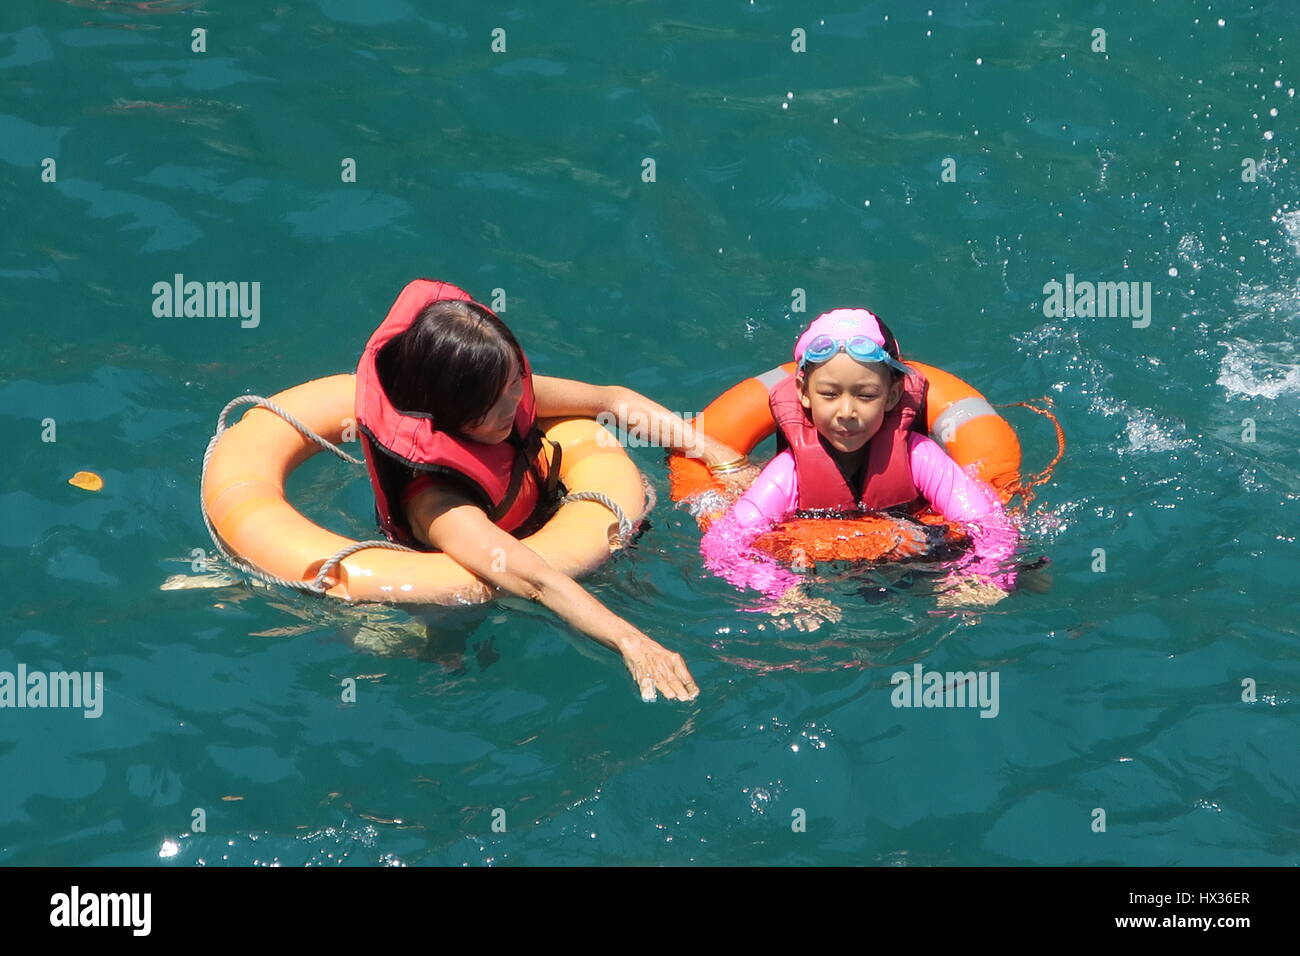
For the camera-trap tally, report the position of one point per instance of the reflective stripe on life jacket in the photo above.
(887, 476)
(505, 477)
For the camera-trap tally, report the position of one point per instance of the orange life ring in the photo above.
(958, 417)
(244, 498)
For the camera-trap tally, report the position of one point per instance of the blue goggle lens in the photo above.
(860, 347)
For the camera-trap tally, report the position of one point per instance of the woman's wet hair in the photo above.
(452, 364)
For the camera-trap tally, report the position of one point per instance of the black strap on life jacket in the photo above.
(527, 451)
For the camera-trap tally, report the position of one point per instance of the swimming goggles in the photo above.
(861, 347)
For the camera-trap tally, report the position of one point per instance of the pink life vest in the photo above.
(887, 477)
(504, 476)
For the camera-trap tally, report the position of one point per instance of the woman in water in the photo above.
(447, 407)
(851, 439)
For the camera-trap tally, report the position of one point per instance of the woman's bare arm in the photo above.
(557, 397)
(446, 520)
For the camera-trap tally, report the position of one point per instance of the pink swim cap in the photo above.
(841, 324)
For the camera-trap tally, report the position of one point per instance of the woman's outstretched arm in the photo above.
(446, 520)
(631, 410)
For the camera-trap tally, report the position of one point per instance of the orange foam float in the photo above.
(243, 495)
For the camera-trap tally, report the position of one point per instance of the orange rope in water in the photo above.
(1026, 488)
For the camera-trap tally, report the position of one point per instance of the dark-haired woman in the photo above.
(447, 406)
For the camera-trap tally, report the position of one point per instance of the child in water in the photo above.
(848, 420)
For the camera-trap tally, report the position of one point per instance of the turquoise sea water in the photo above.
(823, 170)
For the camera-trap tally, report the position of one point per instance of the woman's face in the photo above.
(848, 401)
(494, 427)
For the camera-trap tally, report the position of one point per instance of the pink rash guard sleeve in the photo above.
(727, 550)
(968, 502)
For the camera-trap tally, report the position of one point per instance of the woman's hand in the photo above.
(970, 591)
(736, 483)
(442, 517)
(714, 452)
(654, 667)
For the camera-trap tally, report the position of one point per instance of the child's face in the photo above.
(494, 427)
(848, 401)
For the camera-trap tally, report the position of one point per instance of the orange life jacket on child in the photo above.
(887, 476)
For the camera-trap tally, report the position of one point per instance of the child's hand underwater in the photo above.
(806, 613)
(970, 591)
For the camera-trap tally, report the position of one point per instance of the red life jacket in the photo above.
(505, 476)
(887, 476)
